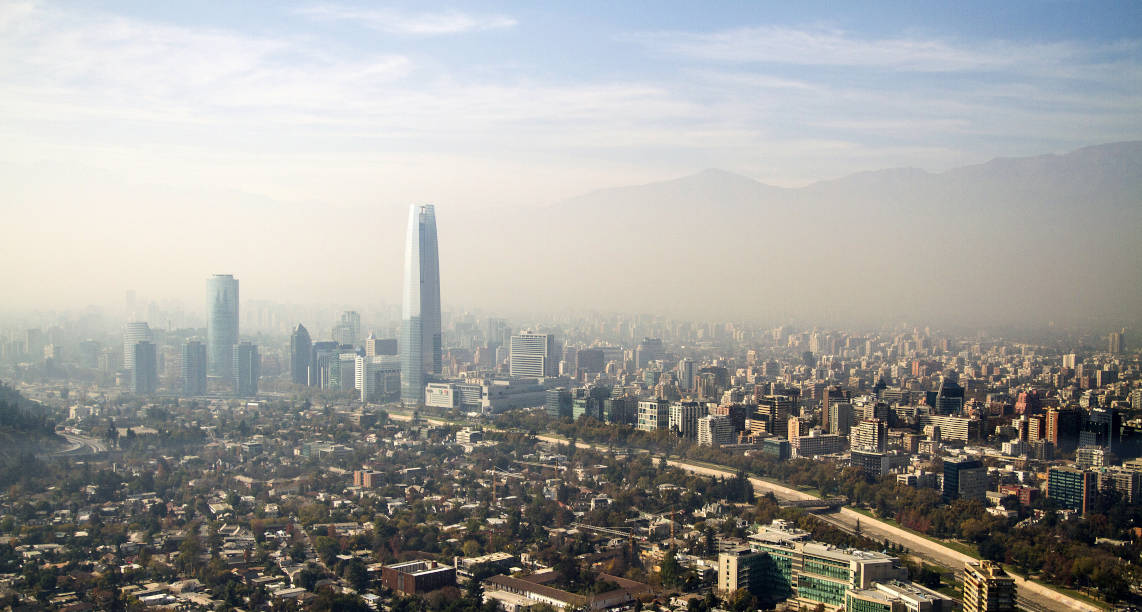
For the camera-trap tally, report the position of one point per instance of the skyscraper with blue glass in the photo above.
(221, 325)
(420, 339)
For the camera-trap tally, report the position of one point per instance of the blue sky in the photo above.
(586, 94)
(148, 110)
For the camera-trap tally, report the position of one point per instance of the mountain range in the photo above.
(1015, 240)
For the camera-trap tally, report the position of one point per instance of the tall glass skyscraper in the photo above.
(420, 340)
(221, 324)
(133, 333)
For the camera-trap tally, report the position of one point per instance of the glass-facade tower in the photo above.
(221, 324)
(300, 347)
(420, 340)
(193, 368)
(133, 333)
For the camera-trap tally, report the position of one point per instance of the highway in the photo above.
(1032, 595)
(80, 446)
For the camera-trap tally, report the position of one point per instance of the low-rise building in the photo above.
(416, 577)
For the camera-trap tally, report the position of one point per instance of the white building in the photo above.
(377, 376)
(441, 395)
(715, 430)
(653, 414)
(534, 355)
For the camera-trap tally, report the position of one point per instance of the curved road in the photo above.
(80, 446)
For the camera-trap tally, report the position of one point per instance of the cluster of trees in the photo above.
(1030, 546)
(25, 428)
(22, 415)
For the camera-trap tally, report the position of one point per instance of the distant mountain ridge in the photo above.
(1112, 162)
(1012, 239)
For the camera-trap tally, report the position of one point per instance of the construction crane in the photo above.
(496, 472)
(651, 517)
(623, 532)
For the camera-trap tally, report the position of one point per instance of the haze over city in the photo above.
(151, 145)
(495, 306)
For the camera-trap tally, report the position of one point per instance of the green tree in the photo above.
(474, 591)
(670, 570)
(357, 574)
(327, 549)
(742, 600)
(328, 601)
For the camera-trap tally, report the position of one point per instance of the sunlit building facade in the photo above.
(420, 341)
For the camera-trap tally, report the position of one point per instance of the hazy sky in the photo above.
(146, 145)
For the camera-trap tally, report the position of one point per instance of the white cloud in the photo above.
(417, 24)
(833, 47)
(231, 99)
(100, 66)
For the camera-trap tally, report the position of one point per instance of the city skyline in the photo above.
(1097, 260)
(471, 110)
(737, 306)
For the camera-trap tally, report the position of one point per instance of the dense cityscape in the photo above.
(454, 461)
(503, 306)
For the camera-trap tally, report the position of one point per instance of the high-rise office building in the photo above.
(557, 403)
(950, 397)
(683, 418)
(420, 341)
(1063, 426)
(133, 333)
(300, 351)
(221, 324)
(840, 418)
(987, 588)
(369, 379)
(321, 357)
(965, 478)
(347, 331)
(1102, 427)
(872, 463)
(1072, 488)
(534, 355)
(772, 415)
(742, 568)
(686, 369)
(715, 430)
(653, 414)
(835, 393)
(870, 435)
(1116, 342)
(145, 373)
(246, 369)
(193, 368)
